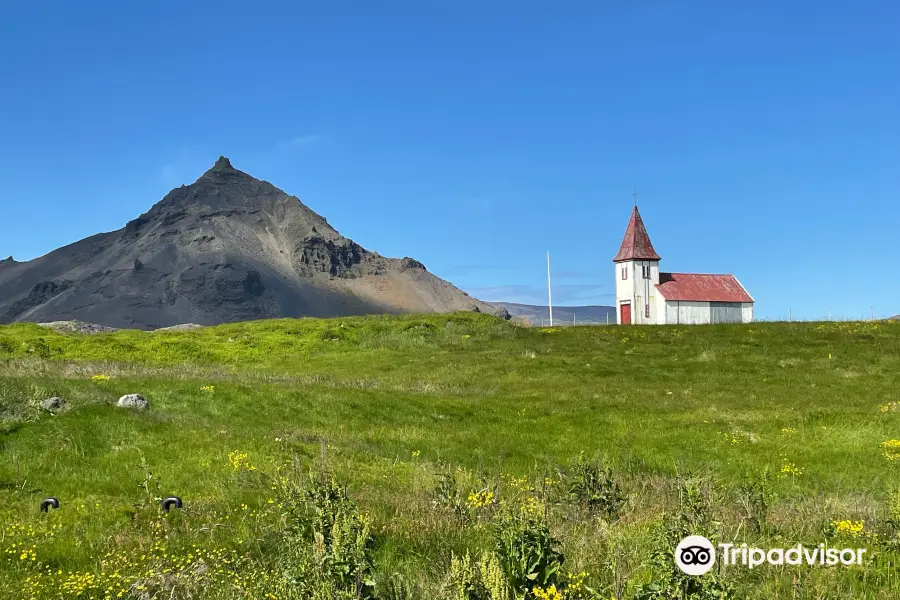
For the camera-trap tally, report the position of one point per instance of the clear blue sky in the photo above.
(763, 137)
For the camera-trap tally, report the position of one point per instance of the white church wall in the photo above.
(725, 312)
(637, 290)
(624, 287)
(746, 312)
(687, 313)
(695, 313)
(661, 309)
(656, 299)
(671, 312)
(654, 273)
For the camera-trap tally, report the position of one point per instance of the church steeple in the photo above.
(636, 243)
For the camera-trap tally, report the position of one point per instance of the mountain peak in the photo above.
(223, 164)
(222, 171)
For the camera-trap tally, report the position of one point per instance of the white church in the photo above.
(645, 296)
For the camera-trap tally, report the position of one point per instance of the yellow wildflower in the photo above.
(576, 582)
(891, 449)
(550, 593)
(240, 461)
(532, 507)
(849, 528)
(480, 499)
(789, 469)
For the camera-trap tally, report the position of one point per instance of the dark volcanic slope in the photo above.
(228, 247)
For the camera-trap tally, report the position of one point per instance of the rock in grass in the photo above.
(133, 401)
(53, 404)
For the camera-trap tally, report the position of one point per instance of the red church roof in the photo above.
(636, 243)
(698, 287)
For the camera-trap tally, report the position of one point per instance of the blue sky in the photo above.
(762, 136)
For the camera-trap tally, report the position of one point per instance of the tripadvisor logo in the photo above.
(695, 555)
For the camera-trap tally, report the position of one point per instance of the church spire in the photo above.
(636, 243)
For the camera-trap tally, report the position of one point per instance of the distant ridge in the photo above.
(562, 315)
(228, 247)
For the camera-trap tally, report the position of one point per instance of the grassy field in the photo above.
(447, 456)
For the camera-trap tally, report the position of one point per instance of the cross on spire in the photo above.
(635, 196)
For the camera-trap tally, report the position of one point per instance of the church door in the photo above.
(625, 314)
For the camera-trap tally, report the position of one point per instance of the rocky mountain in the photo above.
(228, 247)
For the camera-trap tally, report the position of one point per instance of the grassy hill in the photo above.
(447, 456)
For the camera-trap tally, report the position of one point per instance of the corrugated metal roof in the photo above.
(636, 243)
(699, 287)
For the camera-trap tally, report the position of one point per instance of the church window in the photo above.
(624, 273)
(645, 271)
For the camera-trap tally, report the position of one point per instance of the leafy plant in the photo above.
(595, 488)
(448, 496)
(149, 486)
(526, 550)
(892, 540)
(394, 588)
(693, 516)
(755, 498)
(329, 544)
(481, 580)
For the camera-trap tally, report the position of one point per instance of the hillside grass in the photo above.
(395, 407)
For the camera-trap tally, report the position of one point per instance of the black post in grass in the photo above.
(171, 501)
(48, 502)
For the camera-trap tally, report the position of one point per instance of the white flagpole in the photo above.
(549, 293)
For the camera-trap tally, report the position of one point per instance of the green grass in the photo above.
(388, 403)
